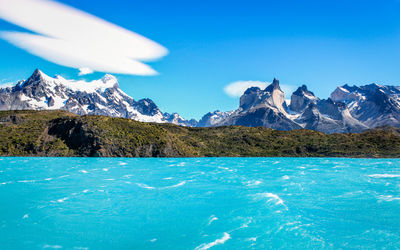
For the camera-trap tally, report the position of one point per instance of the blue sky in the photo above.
(211, 44)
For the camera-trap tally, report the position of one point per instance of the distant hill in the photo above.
(60, 133)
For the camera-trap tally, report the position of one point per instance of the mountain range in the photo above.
(349, 108)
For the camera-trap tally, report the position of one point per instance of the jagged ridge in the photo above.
(349, 109)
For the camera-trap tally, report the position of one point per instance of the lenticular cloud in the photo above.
(72, 38)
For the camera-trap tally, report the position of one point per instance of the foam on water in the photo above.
(212, 219)
(142, 185)
(384, 175)
(214, 243)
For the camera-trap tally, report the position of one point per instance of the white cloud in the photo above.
(288, 89)
(236, 89)
(73, 38)
(6, 85)
(85, 71)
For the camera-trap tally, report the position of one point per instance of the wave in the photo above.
(389, 198)
(212, 218)
(142, 185)
(52, 246)
(384, 175)
(62, 200)
(214, 243)
(27, 181)
(253, 183)
(177, 185)
(272, 197)
(145, 186)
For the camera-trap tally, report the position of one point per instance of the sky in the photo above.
(190, 52)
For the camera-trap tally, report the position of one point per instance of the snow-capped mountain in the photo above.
(374, 105)
(176, 119)
(99, 97)
(350, 109)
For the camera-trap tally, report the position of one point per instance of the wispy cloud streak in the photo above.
(73, 38)
(237, 89)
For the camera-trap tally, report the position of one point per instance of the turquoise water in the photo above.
(199, 203)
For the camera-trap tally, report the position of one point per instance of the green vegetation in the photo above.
(59, 133)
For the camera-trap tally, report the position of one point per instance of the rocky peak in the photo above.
(301, 98)
(37, 77)
(273, 86)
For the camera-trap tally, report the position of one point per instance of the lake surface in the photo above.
(199, 203)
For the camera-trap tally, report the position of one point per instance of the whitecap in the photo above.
(62, 200)
(253, 183)
(26, 181)
(272, 197)
(105, 169)
(25, 216)
(85, 191)
(177, 185)
(122, 163)
(153, 240)
(4, 183)
(167, 178)
(145, 186)
(214, 243)
(384, 175)
(83, 171)
(48, 179)
(211, 219)
(389, 198)
(285, 177)
(109, 179)
(52, 246)
(246, 224)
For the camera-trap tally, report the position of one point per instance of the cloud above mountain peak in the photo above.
(237, 89)
(73, 38)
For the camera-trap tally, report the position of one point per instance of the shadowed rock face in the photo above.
(101, 97)
(76, 135)
(301, 98)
